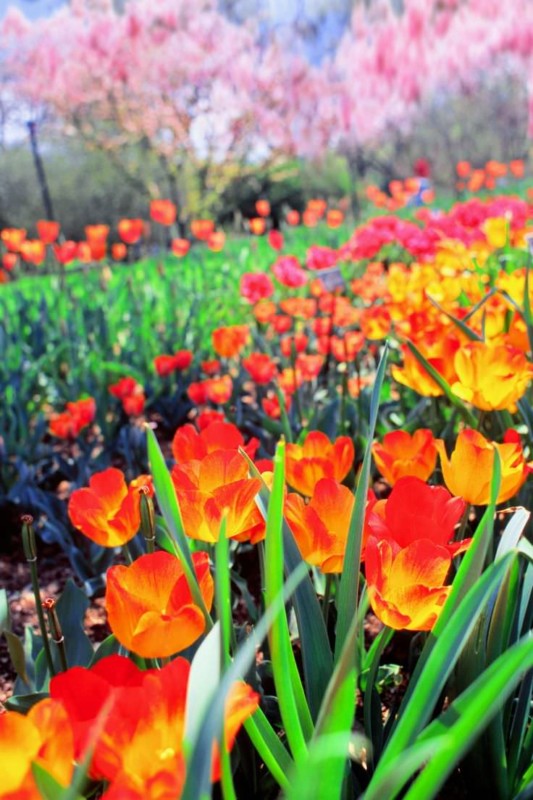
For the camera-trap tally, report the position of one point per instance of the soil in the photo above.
(54, 571)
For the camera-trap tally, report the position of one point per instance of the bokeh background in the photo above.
(215, 103)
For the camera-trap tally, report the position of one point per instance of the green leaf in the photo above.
(23, 702)
(267, 743)
(444, 650)
(17, 655)
(460, 725)
(109, 647)
(49, 788)
(71, 608)
(316, 651)
(168, 502)
(295, 714)
(443, 384)
(349, 582)
(198, 781)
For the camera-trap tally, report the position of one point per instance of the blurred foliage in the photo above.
(90, 186)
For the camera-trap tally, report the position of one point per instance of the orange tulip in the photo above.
(202, 228)
(163, 211)
(47, 230)
(517, 168)
(257, 225)
(263, 208)
(180, 247)
(108, 512)
(321, 527)
(412, 374)
(42, 737)
(13, 238)
(375, 322)
(189, 445)
(405, 585)
(310, 219)
(230, 340)
(33, 251)
(140, 751)
(463, 169)
(318, 458)
(468, 471)
(130, 230)
(149, 604)
(219, 390)
(401, 454)
(9, 261)
(119, 251)
(317, 206)
(212, 486)
(96, 233)
(334, 218)
(491, 376)
(216, 241)
(293, 217)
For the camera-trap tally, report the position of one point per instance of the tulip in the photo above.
(318, 458)
(468, 471)
(255, 286)
(415, 511)
(263, 208)
(13, 238)
(257, 225)
(47, 230)
(293, 217)
(491, 376)
(108, 511)
(180, 247)
(219, 390)
(43, 737)
(163, 212)
(261, 368)
(150, 607)
(202, 228)
(401, 454)
(130, 230)
(406, 585)
(189, 445)
(321, 527)
(212, 486)
(230, 340)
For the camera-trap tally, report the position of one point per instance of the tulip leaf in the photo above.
(109, 647)
(444, 649)
(23, 702)
(349, 582)
(48, 787)
(459, 323)
(460, 725)
(291, 696)
(166, 497)
(204, 678)
(198, 780)
(513, 531)
(269, 746)
(316, 651)
(168, 502)
(443, 384)
(71, 608)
